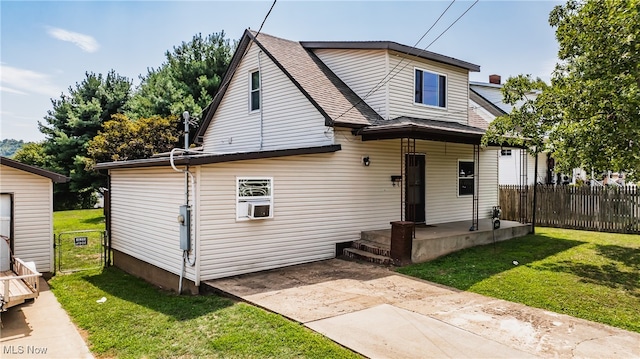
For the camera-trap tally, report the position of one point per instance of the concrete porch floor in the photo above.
(436, 240)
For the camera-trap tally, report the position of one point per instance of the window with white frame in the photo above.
(505, 152)
(465, 178)
(430, 88)
(254, 198)
(254, 91)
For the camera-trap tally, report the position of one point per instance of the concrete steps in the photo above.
(359, 254)
(373, 247)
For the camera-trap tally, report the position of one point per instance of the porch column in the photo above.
(476, 188)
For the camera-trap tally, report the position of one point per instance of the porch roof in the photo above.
(423, 129)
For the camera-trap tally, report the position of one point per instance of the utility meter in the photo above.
(184, 218)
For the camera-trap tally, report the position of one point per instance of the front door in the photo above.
(415, 188)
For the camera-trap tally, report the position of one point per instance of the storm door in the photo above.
(415, 188)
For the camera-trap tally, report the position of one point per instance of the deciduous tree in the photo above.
(124, 139)
(591, 110)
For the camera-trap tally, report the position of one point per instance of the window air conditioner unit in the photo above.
(259, 210)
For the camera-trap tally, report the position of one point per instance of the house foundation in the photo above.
(434, 241)
(152, 274)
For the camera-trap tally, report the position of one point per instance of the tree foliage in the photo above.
(591, 110)
(9, 146)
(524, 126)
(32, 153)
(74, 120)
(186, 81)
(124, 139)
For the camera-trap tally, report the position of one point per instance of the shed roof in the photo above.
(55, 177)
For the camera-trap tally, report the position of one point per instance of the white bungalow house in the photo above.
(306, 145)
(515, 166)
(26, 214)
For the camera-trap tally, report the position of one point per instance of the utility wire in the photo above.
(241, 57)
(380, 83)
(265, 17)
(420, 52)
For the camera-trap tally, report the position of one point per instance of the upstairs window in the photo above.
(430, 89)
(254, 93)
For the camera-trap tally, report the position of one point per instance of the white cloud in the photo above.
(85, 42)
(22, 81)
(10, 90)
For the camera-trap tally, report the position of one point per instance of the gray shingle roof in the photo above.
(337, 101)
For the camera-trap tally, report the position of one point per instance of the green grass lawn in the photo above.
(139, 320)
(590, 275)
(78, 257)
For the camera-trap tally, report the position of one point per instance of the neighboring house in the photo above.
(485, 104)
(298, 156)
(26, 212)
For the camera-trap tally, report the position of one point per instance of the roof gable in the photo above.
(55, 177)
(329, 95)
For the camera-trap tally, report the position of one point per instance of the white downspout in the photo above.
(261, 102)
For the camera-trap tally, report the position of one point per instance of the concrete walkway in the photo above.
(40, 329)
(382, 314)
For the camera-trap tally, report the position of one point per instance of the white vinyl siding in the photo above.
(402, 91)
(32, 216)
(443, 202)
(361, 70)
(509, 173)
(319, 200)
(289, 120)
(144, 211)
(324, 199)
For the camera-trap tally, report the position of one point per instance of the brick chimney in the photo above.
(494, 79)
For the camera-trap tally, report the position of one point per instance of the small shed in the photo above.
(26, 213)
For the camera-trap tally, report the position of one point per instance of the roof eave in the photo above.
(390, 45)
(226, 80)
(210, 159)
(420, 133)
(55, 177)
(486, 104)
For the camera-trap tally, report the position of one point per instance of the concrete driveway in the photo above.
(40, 329)
(383, 314)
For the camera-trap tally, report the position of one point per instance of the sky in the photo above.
(48, 46)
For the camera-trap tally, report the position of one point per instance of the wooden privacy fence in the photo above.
(604, 209)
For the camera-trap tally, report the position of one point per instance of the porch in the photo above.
(432, 241)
